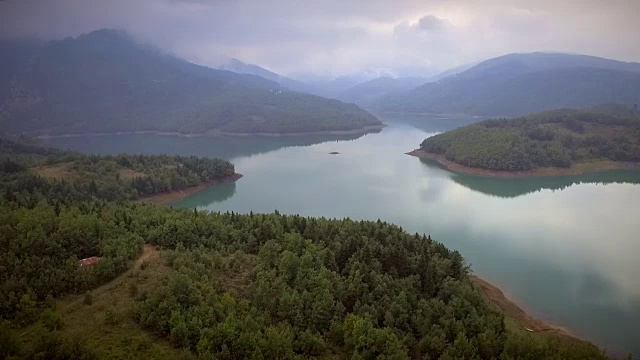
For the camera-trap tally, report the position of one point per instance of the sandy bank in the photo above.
(169, 197)
(576, 169)
(512, 310)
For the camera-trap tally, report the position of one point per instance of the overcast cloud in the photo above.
(336, 37)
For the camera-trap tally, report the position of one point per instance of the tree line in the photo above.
(558, 138)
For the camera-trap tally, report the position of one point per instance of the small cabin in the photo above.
(88, 261)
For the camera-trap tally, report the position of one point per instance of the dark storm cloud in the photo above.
(336, 37)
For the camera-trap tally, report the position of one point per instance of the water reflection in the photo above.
(210, 195)
(514, 187)
(226, 147)
(427, 123)
(566, 248)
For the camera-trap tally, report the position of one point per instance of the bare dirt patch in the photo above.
(128, 174)
(57, 171)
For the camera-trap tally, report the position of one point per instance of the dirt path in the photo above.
(148, 251)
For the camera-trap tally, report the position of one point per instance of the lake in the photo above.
(565, 248)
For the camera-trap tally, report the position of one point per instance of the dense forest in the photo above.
(227, 286)
(558, 138)
(27, 166)
(105, 81)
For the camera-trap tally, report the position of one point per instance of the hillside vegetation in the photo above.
(227, 286)
(519, 84)
(559, 138)
(106, 82)
(63, 176)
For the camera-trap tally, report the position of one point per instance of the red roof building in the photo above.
(88, 261)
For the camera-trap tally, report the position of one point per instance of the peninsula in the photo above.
(557, 142)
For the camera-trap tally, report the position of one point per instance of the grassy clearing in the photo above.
(108, 324)
(127, 174)
(61, 171)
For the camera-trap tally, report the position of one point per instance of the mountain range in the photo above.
(517, 84)
(361, 89)
(104, 81)
(240, 67)
(367, 93)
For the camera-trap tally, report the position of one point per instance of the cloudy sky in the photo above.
(336, 37)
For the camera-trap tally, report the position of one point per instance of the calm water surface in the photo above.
(566, 248)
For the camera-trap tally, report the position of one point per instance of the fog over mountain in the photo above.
(518, 84)
(332, 38)
(104, 82)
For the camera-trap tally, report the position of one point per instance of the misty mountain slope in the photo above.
(518, 84)
(367, 93)
(333, 87)
(517, 64)
(105, 82)
(240, 67)
(14, 56)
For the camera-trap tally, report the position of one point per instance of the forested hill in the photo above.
(559, 138)
(519, 84)
(225, 286)
(62, 176)
(106, 82)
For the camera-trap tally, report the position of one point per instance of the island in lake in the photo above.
(557, 142)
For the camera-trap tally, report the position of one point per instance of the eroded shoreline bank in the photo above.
(215, 133)
(169, 197)
(577, 169)
(512, 310)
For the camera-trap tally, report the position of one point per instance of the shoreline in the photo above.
(576, 169)
(491, 292)
(216, 133)
(444, 115)
(169, 197)
(512, 310)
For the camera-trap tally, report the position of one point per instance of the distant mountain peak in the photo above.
(520, 83)
(241, 67)
(107, 35)
(105, 81)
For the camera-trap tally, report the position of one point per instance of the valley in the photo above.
(235, 180)
(466, 212)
